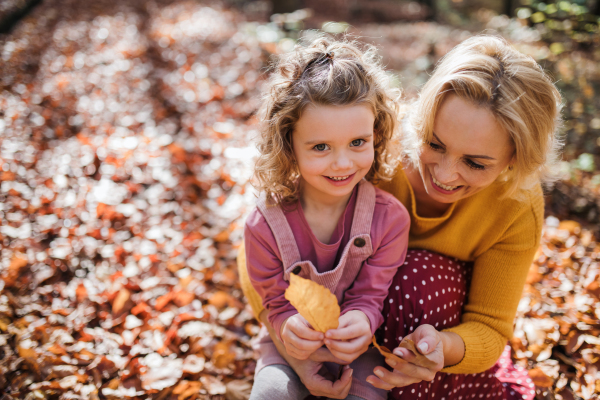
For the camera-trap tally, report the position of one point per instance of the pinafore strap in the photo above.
(286, 243)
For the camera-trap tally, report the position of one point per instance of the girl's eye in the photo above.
(435, 146)
(320, 147)
(357, 142)
(474, 165)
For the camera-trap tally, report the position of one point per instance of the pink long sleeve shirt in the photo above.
(389, 236)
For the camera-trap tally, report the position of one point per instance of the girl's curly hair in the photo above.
(323, 72)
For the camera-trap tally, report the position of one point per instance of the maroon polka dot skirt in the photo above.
(431, 289)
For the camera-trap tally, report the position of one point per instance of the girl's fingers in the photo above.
(350, 346)
(346, 357)
(304, 332)
(346, 333)
(302, 345)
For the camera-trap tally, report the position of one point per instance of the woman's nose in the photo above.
(446, 171)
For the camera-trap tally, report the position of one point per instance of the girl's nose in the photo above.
(342, 162)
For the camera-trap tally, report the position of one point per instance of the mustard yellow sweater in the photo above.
(499, 235)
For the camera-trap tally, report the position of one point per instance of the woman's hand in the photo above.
(298, 337)
(351, 338)
(429, 342)
(319, 381)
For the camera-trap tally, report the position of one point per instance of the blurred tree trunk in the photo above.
(12, 11)
(285, 6)
(432, 8)
(509, 7)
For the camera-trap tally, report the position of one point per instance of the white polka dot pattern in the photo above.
(435, 294)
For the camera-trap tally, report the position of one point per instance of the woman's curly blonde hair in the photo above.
(323, 72)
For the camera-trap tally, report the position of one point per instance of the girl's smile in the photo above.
(340, 180)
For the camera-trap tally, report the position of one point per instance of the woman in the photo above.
(481, 141)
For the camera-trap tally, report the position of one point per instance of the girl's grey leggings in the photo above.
(280, 382)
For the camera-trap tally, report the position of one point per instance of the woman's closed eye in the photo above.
(435, 146)
(473, 165)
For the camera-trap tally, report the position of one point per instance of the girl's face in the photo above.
(333, 146)
(468, 151)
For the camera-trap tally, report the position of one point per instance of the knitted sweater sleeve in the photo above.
(496, 287)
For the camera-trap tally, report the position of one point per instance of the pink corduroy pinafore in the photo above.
(337, 280)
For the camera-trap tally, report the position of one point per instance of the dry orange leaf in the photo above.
(182, 298)
(386, 352)
(222, 355)
(314, 302)
(220, 299)
(540, 379)
(120, 301)
(422, 360)
(409, 345)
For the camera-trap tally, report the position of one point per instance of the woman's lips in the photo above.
(441, 190)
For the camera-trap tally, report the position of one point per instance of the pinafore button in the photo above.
(297, 270)
(359, 242)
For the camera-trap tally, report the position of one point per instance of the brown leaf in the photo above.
(220, 299)
(81, 293)
(314, 302)
(182, 298)
(238, 390)
(572, 226)
(17, 263)
(421, 358)
(120, 301)
(162, 301)
(386, 352)
(222, 355)
(540, 379)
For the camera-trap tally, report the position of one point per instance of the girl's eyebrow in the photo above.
(317, 141)
(466, 155)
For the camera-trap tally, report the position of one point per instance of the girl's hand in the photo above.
(298, 337)
(429, 342)
(351, 338)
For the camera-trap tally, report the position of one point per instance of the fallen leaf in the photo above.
(222, 355)
(182, 298)
(421, 358)
(238, 390)
(314, 302)
(540, 379)
(120, 301)
(386, 352)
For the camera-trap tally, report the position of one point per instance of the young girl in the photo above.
(329, 118)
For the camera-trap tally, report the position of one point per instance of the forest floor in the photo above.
(125, 160)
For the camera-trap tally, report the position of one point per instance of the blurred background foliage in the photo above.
(563, 36)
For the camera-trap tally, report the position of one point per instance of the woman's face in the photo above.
(468, 151)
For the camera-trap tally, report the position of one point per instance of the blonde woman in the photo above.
(478, 148)
(482, 140)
